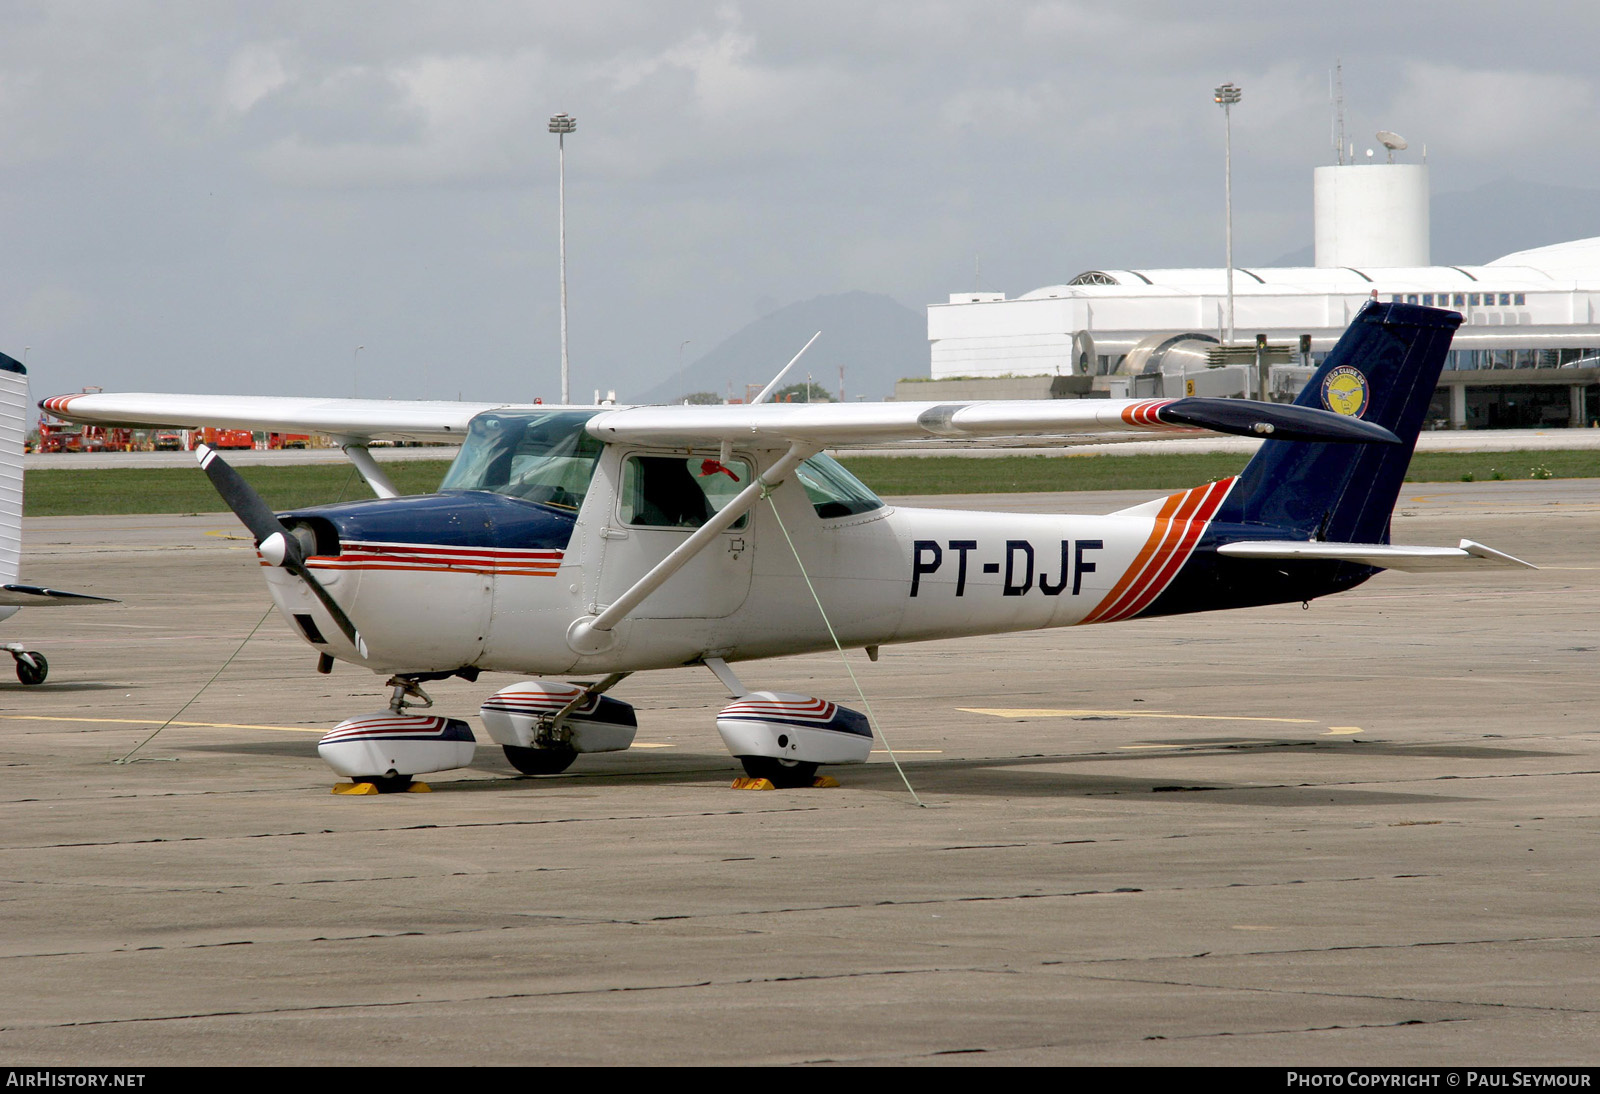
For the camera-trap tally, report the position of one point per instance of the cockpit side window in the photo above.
(833, 491)
(542, 456)
(679, 492)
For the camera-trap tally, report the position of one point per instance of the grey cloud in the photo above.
(214, 198)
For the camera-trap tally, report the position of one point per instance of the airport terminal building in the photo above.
(1527, 353)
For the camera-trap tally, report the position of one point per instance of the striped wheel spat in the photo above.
(807, 712)
(539, 702)
(411, 727)
(355, 555)
(533, 700)
(1179, 526)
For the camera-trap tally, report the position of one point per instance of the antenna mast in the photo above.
(1338, 109)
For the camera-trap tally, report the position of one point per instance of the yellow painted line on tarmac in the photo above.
(152, 722)
(105, 548)
(909, 752)
(1009, 712)
(1336, 731)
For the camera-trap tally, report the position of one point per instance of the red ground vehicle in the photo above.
(222, 438)
(55, 436)
(58, 436)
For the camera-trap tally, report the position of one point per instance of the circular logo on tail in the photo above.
(1344, 391)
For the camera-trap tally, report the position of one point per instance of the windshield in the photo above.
(537, 455)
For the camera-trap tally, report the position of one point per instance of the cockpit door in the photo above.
(660, 498)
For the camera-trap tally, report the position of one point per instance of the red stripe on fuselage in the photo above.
(431, 558)
(1179, 554)
(1178, 527)
(1167, 528)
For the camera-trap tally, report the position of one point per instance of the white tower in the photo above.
(1371, 214)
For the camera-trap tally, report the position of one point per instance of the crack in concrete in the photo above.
(1368, 946)
(1369, 996)
(448, 827)
(614, 989)
(1087, 1050)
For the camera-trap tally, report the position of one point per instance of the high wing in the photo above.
(838, 425)
(356, 419)
(817, 425)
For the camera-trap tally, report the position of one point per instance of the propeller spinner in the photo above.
(275, 542)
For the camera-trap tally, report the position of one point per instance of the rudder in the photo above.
(1384, 369)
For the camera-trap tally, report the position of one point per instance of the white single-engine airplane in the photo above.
(32, 668)
(597, 542)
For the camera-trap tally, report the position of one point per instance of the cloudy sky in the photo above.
(233, 197)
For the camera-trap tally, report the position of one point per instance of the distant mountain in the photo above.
(1471, 227)
(875, 338)
(1476, 226)
(1305, 256)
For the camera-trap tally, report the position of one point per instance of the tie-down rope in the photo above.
(766, 492)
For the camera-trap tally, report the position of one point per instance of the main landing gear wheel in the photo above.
(783, 774)
(387, 784)
(540, 761)
(32, 668)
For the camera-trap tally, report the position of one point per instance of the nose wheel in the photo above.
(540, 761)
(32, 668)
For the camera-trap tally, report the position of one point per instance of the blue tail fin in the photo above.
(1384, 369)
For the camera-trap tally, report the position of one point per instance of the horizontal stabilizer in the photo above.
(1416, 560)
(34, 596)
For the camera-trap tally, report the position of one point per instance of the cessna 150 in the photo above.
(32, 668)
(596, 542)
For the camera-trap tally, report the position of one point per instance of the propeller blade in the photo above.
(253, 512)
(277, 544)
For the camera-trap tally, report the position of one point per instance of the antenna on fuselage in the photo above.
(767, 391)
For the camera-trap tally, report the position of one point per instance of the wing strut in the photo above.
(592, 634)
(359, 455)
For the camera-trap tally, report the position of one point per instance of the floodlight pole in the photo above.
(1225, 96)
(561, 125)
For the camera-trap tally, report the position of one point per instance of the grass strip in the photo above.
(100, 491)
(893, 475)
(89, 491)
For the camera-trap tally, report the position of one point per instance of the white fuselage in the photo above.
(884, 576)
